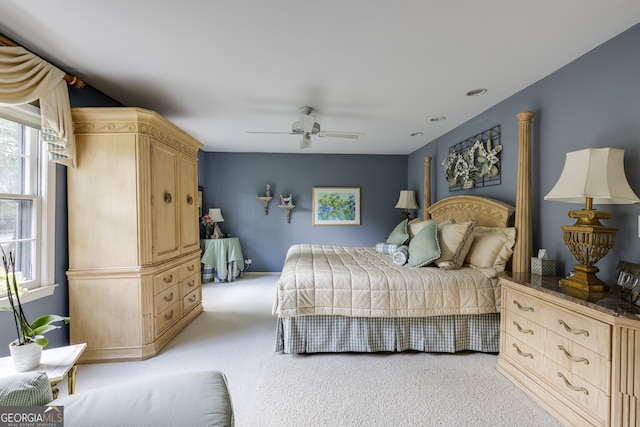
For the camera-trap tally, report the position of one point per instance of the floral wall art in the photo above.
(474, 162)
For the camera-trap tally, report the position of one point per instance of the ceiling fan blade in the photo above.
(348, 135)
(276, 133)
(305, 141)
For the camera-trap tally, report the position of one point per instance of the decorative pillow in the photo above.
(401, 255)
(424, 247)
(416, 225)
(386, 248)
(25, 389)
(455, 243)
(492, 247)
(399, 235)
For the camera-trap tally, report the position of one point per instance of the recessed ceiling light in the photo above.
(476, 92)
(417, 134)
(438, 118)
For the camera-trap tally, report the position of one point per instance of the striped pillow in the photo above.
(386, 248)
(401, 255)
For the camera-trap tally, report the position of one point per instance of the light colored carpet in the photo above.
(236, 335)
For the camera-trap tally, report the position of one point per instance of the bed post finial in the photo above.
(426, 199)
(524, 243)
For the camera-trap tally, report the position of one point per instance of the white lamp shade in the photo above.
(407, 200)
(215, 215)
(597, 173)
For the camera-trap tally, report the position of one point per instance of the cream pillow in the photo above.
(455, 242)
(492, 247)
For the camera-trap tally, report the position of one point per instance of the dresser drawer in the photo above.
(524, 329)
(589, 397)
(164, 299)
(191, 299)
(162, 281)
(168, 317)
(587, 364)
(587, 332)
(189, 268)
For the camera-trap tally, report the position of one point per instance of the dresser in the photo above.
(576, 354)
(134, 246)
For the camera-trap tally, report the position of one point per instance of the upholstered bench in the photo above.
(199, 398)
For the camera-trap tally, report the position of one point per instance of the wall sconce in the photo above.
(406, 201)
(594, 175)
(216, 217)
(266, 198)
(286, 203)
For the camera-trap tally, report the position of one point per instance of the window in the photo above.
(27, 198)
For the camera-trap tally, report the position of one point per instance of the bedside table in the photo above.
(222, 258)
(577, 355)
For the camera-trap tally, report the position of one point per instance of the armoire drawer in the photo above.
(164, 299)
(162, 281)
(190, 268)
(168, 317)
(190, 283)
(191, 300)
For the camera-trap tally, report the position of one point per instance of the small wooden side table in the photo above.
(56, 363)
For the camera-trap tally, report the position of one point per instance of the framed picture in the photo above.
(336, 205)
(200, 199)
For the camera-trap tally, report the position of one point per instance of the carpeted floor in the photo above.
(236, 335)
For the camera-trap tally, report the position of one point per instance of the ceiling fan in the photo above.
(307, 127)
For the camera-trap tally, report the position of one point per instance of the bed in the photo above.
(351, 299)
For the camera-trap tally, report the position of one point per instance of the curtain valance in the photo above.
(24, 78)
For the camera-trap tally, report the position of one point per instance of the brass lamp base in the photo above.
(585, 279)
(589, 241)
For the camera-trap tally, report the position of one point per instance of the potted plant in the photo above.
(26, 351)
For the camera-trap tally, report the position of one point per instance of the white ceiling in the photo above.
(221, 68)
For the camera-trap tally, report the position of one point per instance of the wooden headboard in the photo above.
(487, 212)
(493, 213)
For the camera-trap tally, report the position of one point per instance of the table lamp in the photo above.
(216, 217)
(591, 176)
(406, 201)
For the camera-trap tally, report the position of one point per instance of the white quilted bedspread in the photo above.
(360, 282)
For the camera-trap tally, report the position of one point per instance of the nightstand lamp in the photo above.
(591, 176)
(216, 217)
(406, 201)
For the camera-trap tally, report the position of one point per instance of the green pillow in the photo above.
(399, 235)
(25, 389)
(424, 247)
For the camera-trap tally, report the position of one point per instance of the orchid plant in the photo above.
(27, 332)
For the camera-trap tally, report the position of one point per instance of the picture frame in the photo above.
(336, 205)
(200, 200)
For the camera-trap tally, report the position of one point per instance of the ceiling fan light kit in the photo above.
(307, 127)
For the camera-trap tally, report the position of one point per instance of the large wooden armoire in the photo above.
(134, 253)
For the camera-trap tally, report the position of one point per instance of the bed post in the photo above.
(426, 199)
(524, 245)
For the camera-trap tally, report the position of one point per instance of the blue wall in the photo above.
(590, 103)
(232, 181)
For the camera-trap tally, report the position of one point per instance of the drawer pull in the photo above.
(168, 316)
(571, 386)
(573, 358)
(573, 331)
(191, 268)
(191, 284)
(522, 307)
(529, 355)
(524, 331)
(193, 298)
(168, 297)
(168, 279)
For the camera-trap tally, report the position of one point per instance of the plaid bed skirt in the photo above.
(442, 334)
(210, 273)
